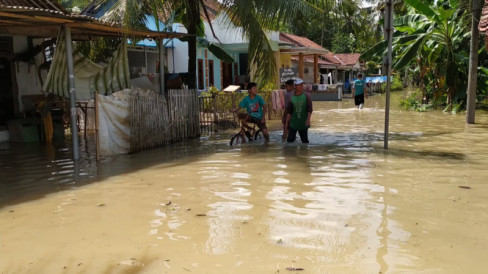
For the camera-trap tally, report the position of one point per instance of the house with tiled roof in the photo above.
(303, 54)
(350, 64)
(340, 67)
(349, 60)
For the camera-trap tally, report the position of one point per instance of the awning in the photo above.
(41, 19)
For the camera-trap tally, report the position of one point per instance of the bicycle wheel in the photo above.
(258, 135)
(237, 140)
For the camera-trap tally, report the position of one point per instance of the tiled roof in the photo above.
(330, 58)
(349, 58)
(309, 59)
(299, 41)
(213, 8)
(483, 25)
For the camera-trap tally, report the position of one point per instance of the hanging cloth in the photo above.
(89, 76)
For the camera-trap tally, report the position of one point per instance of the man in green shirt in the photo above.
(299, 110)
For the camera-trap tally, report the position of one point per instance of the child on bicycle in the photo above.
(254, 104)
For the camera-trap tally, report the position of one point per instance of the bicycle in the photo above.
(245, 131)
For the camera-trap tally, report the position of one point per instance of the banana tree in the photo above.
(432, 34)
(254, 16)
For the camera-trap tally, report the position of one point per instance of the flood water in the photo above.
(341, 204)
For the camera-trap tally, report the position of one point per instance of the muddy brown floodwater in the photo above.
(339, 205)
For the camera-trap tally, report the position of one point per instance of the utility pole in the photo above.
(388, 30)
(473, 61)
(72, 93)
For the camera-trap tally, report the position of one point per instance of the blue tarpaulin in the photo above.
(151, 25)
(377, 79)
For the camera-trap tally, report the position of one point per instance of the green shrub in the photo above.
(456, 107)
(413, 103)
(220, 101)
(396, 84)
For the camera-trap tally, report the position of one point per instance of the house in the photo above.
(308, 59)
(28, 30)
(303, 54)
(349, 66)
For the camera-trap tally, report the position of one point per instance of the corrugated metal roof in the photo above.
(37, 18)
(46, 5)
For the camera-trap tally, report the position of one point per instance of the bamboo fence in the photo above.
(216, 111)
(157, 121)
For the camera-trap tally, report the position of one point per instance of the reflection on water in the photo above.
(341, 204)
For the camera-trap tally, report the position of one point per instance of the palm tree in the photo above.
(255, 17)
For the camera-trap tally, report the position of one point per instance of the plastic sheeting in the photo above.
(114, 120)
(114, 123)
(89, 77)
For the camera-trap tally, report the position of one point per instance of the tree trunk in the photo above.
(473, 62)
(405, 78)
(194, 17)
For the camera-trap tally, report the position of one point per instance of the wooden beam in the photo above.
(119, 31)
(16, 22)
(41, 31)
(305, 51)
(300, 65)
(315, 68)
(46, 26)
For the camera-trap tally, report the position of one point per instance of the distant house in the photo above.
(350, 65)
(311, 52)
(338, 67)
(307, 58)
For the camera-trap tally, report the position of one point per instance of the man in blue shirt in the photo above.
(254, 105)
(358, 91)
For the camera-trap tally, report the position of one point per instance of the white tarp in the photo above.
(114, 120)
(114, 123)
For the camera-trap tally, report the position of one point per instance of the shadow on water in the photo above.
(31, 171)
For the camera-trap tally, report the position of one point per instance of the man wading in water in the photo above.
(358, 92)
(299, 110)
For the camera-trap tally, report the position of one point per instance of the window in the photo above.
(211, 81)
(200, 74)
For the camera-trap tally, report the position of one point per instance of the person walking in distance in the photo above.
(299, 112)
(359, 91)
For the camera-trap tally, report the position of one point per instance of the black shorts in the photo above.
(250, 119)
(359, 99)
